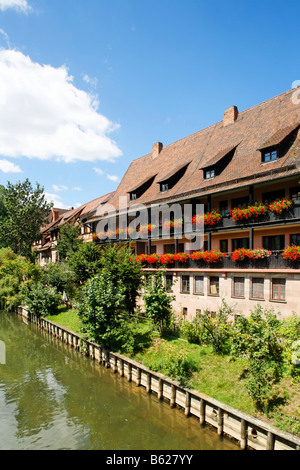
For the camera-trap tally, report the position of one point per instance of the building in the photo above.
(237, 169)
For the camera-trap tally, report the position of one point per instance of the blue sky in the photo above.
(86, 86)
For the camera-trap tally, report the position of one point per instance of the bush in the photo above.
(176, 363)
(41, 300)
(158, 302)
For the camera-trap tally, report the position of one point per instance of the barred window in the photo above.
(199, 285)
(185, 284)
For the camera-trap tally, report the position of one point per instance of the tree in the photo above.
(122, 264)
(68, 242)
(158, 302)
(85, 261)
(257, 338)
(26, 210)
(102, 303)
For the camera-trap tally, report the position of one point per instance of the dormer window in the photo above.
(164, 187)
(208, 174)
(270, 155)
(170, 179)
(217, 164)
(141, 188)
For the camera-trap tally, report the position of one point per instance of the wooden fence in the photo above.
(250, 432)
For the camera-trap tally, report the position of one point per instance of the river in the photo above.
(54, 398)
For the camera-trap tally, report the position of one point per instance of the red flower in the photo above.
(182, 257)
(249, 212)
(212, 256)
(280, 206)
(167, 258)
(291, 253)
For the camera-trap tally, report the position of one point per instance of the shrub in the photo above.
(41, 300)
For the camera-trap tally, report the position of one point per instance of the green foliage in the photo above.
(167, 358)
(58, 275)
(119, 261)
(41, 300)
(257, 338)
(158, 302)
(289, 331)
(214, 330)
(15, 272)
(193, 330)
(84, 262)
(68, 243)
(100, 307)
(26, 209)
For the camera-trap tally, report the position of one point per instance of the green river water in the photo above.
(52, 398)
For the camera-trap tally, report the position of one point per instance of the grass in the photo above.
(215, 375)
(66, 317)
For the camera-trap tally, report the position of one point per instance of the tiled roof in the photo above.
(269, 122)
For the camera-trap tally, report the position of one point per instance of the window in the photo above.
(274, 242)
(240, 243)
(132, 196)
(169, 282)
(238, 287)
(269, 155)
(295, 192)
(278, 289)
(272, 196)
(213, 285)
(170, 248)
(224, 207)
(199, 285)
(208, 174)
(185, 284)
(257, 291)
(295, 239)
(164, 187)
(240, 202)
(224, 246)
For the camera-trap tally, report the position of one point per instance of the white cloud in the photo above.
(59, 187)
(44, 116)
(56, 199)
(9, 167)
(77, 188)
(109, 177)
(19, 5)
(112, 178)
(90, 81)
(99, 171)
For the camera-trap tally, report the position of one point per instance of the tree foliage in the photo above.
(158, 301)
(68, 243)
(24, 210)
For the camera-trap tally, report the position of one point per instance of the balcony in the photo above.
(273, 262)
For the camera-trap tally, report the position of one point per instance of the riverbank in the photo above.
(216, 375)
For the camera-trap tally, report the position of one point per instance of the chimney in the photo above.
(230, 115)
(156, 149)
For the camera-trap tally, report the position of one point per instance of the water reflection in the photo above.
(51, 397)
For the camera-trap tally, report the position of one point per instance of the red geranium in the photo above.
(167, 258)
(212, 256)
(291, 253)
(280, 206)
(182, 257)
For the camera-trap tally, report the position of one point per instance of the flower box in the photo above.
(256, 254)
(280, 206)
(145, 229)
(291, 253)
(181, 257)
(212, 256)
(210, 218)
(250, 212)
